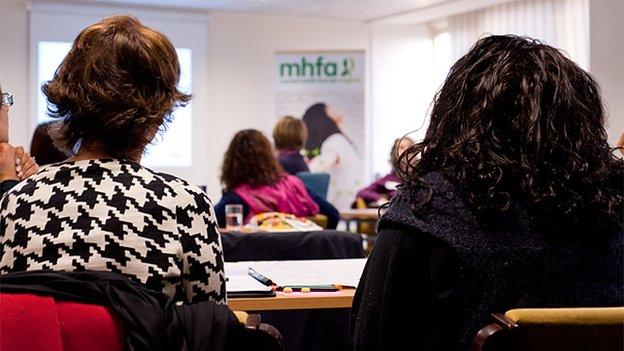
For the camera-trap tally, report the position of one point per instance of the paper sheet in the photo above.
(241, 283)
(345, 272)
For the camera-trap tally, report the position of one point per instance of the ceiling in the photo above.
(355, 10)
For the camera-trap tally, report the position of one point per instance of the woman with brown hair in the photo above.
(290, 135)
(515, 201)
(101, 210)
(253, 178)
(42, 145)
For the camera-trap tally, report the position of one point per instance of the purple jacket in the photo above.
(385, 186)
(292, 161)
(288, 195)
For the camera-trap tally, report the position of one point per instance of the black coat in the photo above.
(434, 278)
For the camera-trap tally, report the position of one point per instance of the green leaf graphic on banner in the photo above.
(347, 66)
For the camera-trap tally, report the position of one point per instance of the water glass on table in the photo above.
(234, 217)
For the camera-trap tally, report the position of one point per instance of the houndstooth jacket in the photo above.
(115, 215)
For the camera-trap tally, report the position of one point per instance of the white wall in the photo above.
(402, 88)
(14, 65)
(241, 57)
(606, 58)
(240, 89)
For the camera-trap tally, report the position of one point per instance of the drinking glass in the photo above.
(233, 217)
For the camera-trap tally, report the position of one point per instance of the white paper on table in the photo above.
(239, 280)
(344, 272)
(241, 283)
(236, 268)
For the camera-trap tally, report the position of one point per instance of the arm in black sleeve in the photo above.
(406, 294)
(333, 216)
(229, 198)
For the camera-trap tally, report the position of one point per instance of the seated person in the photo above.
(384, 188)
(15, 163)
(290, 135)
(101, 210)
(42, 146)
(516, 201)
(253, 178)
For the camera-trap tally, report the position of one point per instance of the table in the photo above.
(365, 220)
(364, 214)
(294, 301)
(314, 329)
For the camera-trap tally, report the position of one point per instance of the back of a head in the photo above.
(116, 87)
(42, 146)
(249, 159)
(397, 149)
(289, 133)
(518, 122)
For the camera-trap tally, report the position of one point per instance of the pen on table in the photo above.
(262, 279)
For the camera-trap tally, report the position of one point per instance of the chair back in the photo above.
(554, 329)
(258, 336)
(33, 322)
(317, 182)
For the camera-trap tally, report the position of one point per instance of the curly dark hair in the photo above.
(116, 87)
(516, 122)
(249, 160)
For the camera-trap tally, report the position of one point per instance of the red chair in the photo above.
(33, 322)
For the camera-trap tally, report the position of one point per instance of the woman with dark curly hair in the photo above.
(253, 178)
(101, 210)
(515, 201)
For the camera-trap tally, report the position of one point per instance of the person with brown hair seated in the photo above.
(253, 178)
(42, 146)
(15, 163)
(290, 135)
(516, 201)
(101, 210)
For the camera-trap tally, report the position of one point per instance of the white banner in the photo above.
(326, 89)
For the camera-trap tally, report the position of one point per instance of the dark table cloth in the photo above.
(304, 330)
(291, 246)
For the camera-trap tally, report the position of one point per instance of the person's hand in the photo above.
(620, 144)
(4, 124)
(25, 166)
(7, 162)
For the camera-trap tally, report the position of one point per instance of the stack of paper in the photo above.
(240, 283)
(340, 272)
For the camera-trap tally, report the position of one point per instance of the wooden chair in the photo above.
(262, 336)
(320, 219)
(554, 329)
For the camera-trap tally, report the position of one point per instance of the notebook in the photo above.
(319, 275)
(246, 286)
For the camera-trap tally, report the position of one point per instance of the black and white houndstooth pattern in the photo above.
(112, 215)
